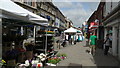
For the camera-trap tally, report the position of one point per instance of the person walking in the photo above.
(58, 44)
(93, 39)
(78, 38)
(107, 44)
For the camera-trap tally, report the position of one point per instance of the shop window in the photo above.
(53, 12)
(42, 6)
(45, 7)
(28, 2)
(114, 4)
(33, 4)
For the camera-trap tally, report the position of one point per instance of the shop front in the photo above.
(17, 27)
(112, 27)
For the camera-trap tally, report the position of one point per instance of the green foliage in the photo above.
(2, 62)
(59, 55)
(54, 60)
(64, 55)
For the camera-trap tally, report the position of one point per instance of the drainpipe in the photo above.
(0, 37)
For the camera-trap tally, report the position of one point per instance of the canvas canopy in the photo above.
(10, 7)
(70, 30)
(79, 31)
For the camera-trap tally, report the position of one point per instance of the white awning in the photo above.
(9, 6)
(44, 23)
(70, 30)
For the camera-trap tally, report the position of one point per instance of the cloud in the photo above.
(75, 11)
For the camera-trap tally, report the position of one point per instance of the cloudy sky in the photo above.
(78, 12)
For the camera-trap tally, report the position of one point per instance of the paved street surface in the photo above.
(76, 54)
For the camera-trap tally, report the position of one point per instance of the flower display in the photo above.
(62, 56)
(56, 59)
(2, 62)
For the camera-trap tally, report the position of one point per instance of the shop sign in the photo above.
(93, 25)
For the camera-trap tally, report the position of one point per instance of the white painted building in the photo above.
(112, 25)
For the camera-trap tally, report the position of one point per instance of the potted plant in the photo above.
(54, 60)
(62, 56)
(2, 63)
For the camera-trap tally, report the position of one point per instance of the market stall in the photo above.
(18, 25)
(79, 35)
(14, 11)
(71, 35)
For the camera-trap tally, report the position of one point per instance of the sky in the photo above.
(78, 12)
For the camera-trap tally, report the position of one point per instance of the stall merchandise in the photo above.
(44, 44)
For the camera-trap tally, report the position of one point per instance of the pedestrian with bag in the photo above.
(106, 44)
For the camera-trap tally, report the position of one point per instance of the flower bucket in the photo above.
(39, 65)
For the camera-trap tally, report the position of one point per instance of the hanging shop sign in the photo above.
(93, 25)
(91, 30)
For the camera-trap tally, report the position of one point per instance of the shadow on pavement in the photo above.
(105, 61)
